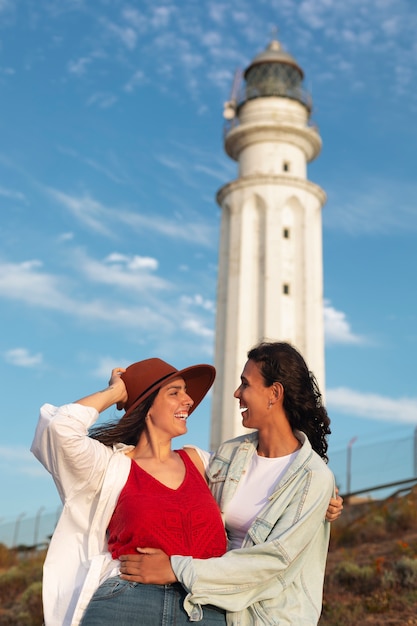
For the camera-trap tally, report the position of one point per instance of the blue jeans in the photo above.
(123, 603)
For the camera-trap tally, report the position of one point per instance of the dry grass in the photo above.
(371, 574)
(20, 588)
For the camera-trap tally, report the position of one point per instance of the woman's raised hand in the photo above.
(117, 382)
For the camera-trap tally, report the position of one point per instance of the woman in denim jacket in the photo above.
(273, 487)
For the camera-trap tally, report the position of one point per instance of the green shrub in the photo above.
(378, 602)
(372, 521)
(388, 580)
(337, 614)
(356, 578)
(31, 603)
(402, 512)
(21, 591)
(406, 571)
(12, 583)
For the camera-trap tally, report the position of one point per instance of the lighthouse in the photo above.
(270, 273)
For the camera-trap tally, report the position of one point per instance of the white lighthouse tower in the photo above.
(270, 279)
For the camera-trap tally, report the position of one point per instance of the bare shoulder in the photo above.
(196, 459)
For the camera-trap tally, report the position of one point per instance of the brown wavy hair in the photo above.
(128, 428)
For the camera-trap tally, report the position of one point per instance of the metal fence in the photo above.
(30, 531)
(366, 467)
(357, 468)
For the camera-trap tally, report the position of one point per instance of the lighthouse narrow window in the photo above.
(286, 289)
(286, 166)
(286, 233)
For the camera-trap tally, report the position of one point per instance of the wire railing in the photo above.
(365, 468)
(29, 531)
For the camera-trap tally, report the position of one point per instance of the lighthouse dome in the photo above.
(274, 72)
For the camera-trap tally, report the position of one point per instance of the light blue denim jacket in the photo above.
(277, 576)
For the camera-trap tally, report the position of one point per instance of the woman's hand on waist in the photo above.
(151, 566)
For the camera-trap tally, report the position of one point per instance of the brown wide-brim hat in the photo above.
(144, 377)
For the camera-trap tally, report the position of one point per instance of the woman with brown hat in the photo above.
(273, 486)
(122, 485)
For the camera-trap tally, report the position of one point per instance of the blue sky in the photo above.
(111, 154)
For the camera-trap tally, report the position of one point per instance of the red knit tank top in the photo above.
(184, 521)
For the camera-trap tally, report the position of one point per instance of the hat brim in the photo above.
(198, 380)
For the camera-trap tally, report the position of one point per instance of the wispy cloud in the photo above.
(130, 300)
(374, 206)
(21, 357)
(134, 262)
(65, 237)
(196, 327)
(22, 460)
(195, 232)
(7, 6)
(79, 67)
(138, 78)
(85, 209)
(185, 161)
(112, 168)
(133, 273)
(104, 100)
(337, 328)
(102, 220)
(372, 406)
(197, 319)
(11, 194)
(26, 282)
(198, 301)
(124, 34)
(371, 36)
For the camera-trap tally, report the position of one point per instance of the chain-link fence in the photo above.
(365, 467)
(29, 530)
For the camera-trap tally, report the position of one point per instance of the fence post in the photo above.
(349, 463)
(16, 529)
(415, 451)
(37, 522)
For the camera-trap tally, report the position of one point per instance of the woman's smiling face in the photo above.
(169, 411)
(254, 398)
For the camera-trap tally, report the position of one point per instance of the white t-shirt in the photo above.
(252, 494)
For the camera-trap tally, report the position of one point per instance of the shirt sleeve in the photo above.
(61, 443)
(203, 454)
(257, 572)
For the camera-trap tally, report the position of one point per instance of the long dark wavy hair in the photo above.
(281, 362)
(128, 428)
